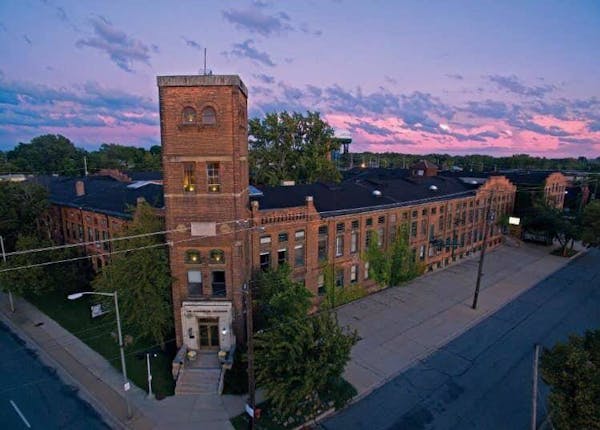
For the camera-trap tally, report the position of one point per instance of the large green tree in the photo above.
(572, 369)
(280, 297)
(139, 271)
(41, 278)
(295, 147)
(300, 363)
(50, 153)
(114, 156)
(21, 209)
(591, 224)
(552, 221)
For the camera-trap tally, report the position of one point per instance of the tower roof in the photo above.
(201, 81)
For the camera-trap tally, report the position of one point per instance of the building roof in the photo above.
(102, 194)
(144, 176)
(359, 195)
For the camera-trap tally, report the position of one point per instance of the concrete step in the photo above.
(198, 381)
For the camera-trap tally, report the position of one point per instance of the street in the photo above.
(482, 379)
(32, 396)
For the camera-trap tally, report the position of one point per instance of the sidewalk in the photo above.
(398, 326)
(401, 325)
(100, 384)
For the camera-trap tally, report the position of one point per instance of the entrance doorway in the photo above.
(208, 328)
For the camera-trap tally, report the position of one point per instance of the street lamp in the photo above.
(126, 384)
(150, 393)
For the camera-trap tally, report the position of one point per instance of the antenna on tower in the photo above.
(206, 71)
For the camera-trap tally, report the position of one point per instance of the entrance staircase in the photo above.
(199, 376)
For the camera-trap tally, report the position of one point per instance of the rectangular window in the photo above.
(265, 240)
(431, 231)
(369, 222)
(321, 285)
(283, 237)
(90, 234)
(462, 240)
(441, 224)
(353, 274)
(380, 237)
(212, 175)
(424, 212)
(355, 225)
(413, 229)
(299, 255)
(189, 179)
(299, 235)
(433, 211)
(194, 283)
(97, 238)
(368, 237)
(265, 261)
(339, 278)
(322, 247)
(340, 227)
(218, 284)
(323, 229)
(80, 231)
(381, 220)
(414, 214)
(366, 270)
(354, 242)
(281, 257)
(339, 245)
(422, 252)
(424, 227)
(105, 244)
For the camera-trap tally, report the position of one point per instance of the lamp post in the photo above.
(150, 393)
(126, 385)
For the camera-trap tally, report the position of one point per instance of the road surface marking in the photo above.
(20, 414)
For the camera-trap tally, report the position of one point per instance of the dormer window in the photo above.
(209, 116)
(189, 115)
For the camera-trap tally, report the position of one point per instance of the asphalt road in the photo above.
(32, 396)
(482, 379)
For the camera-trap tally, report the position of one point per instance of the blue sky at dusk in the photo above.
(460, 77)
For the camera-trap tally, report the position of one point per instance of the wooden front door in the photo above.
(208, 328)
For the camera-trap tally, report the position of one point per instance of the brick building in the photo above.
(93, 209)
(226, 228)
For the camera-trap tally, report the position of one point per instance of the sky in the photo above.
(459, 77)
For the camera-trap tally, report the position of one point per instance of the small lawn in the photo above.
(75, 316)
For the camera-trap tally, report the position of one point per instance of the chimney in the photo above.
(79, 188)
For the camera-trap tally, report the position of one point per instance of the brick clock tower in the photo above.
(203, 124)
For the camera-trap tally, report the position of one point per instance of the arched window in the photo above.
(189, 115)
(217, 256)
(192, 256)
(209, 116)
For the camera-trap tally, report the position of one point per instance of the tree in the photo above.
(21, 209)
(141, 277)
(591, 224)
(41, 279)
(50, 153)
(294, 147)
(280, 298)
(114, 156)
(300, 363)
(572, 369)
(544, 218)
(394, 265)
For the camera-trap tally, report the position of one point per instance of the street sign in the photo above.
(249, 410)
(97, 310)
(126, 386)
(514, 220)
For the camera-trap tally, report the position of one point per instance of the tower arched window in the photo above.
(192, 256)
(209, 116)
(217, 256)
(188, 115)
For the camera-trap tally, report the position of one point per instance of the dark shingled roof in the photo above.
(102, 194)
(357, 195)
(144, 176)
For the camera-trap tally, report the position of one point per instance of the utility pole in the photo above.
(488, 217)
(534, 387)
(85, 170)
(10, 297)
(250, 340)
